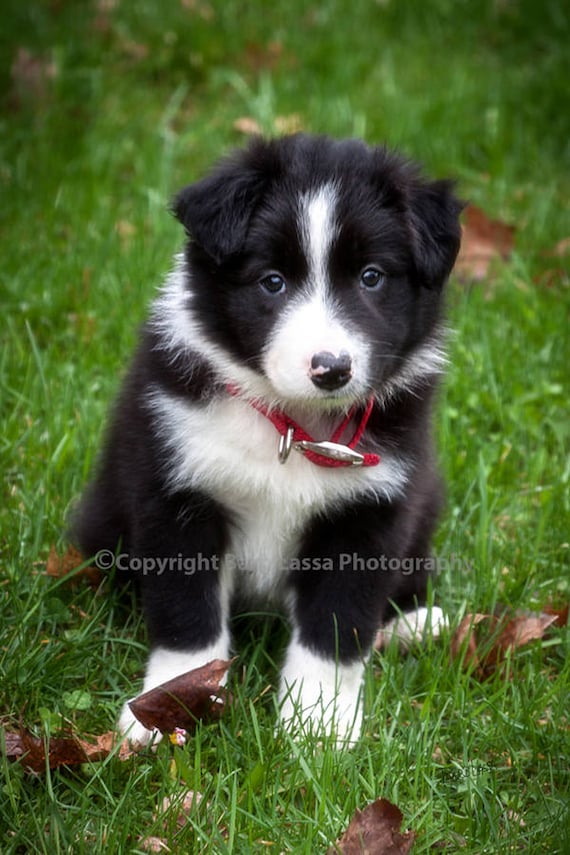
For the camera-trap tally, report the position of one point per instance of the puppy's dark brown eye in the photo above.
(273, 284)
(372, 279)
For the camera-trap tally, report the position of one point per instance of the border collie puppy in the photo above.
(272, 438)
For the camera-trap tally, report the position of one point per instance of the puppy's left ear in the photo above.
(216, 210)
(436, 231)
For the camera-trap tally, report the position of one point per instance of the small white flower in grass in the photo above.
(179, 736)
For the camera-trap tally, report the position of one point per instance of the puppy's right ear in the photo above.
(216, 210)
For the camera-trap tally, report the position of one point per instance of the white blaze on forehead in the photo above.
(313, 322)
(318, 230)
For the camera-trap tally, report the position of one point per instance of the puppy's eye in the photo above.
(372, 279)
(273, 284)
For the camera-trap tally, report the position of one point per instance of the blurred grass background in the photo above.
(108, 108)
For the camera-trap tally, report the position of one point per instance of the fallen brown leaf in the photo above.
(183, 805)
(553, 278)
(153, 844)
(503, 635)
(134, 50)
(561, 615)
(466, 631)
(32, 76)
(36, 754)
(58, 566)
(108, 741)
(291, 124)
(260, 57)
(247, 125)
(520, 630)
(204, 10)
(183, 701)
(560, 250)
(375, 831)
(483, 241)
(558, 275)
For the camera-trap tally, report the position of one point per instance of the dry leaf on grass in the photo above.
(522, 629)
(32, 77)
(291, 124)
(248, 126)
(183, 805)
(183, 701)
(559, 274)
(483, 241)
(375, 831)
(36, 754)
(553, 278)
(560, 250)
(153, 844)
(203, 9)
(108, 741)
(260, 57)
(466, 632)
(58, 566)
(503, 635)
(560, 615)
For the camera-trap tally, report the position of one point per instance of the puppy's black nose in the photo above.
(329, 371)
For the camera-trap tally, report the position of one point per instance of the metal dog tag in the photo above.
(332, 450)
(285, 445)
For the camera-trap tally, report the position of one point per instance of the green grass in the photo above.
(143, 99)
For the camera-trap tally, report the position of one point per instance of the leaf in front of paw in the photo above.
(180, 703)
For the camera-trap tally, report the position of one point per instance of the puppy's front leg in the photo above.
(337, 603)
(185, 599)
(335, 613)
(319, 695)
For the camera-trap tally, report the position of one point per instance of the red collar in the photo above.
(328, 453)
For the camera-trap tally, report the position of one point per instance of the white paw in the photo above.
(321, 698)
(412, 627)
(339, 719)
(136, 733)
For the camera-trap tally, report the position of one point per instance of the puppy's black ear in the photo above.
(216, 210)
(436, 231)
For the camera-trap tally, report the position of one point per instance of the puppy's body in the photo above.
(311, 288)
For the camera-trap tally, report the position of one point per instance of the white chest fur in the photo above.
(229, 451)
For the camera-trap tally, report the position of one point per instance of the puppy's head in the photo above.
(318, 265)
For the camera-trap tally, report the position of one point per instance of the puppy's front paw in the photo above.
(136, 733)
(413, 627)
(321, 698)
(339, 718)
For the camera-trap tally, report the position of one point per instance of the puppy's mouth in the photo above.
(325, 401)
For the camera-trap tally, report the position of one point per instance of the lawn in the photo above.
(108, 108)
